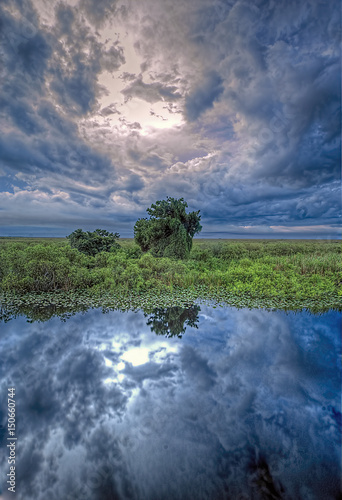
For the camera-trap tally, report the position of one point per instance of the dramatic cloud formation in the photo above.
(108, 106)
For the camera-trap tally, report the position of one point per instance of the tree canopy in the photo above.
(91, 243)
(169, 230)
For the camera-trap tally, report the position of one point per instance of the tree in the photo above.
(94, 242)
(169, 230)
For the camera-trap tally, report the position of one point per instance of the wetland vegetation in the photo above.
(46, 273)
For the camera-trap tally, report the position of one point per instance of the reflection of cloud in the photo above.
(245, 403)
(196, 368)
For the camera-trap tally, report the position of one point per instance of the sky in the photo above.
(109, 105)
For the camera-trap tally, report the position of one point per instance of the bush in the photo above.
(93, 243)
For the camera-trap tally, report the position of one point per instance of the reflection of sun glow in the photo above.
(136, 356)
(108, 362)
(109, 380)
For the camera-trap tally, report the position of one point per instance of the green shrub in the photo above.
(92, 243)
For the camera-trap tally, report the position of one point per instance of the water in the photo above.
(213, 403)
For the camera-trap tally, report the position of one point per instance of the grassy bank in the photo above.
(271, 273)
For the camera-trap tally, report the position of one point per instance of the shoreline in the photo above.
(41, 306)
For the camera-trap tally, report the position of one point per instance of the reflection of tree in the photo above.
(171, 321)
(39, 313)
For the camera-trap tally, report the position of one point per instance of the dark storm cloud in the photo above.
(250, 202)
(78, 60)
(25, 58)
(133, 183)
(285, 98)
(65, 17)
(48, 112)
(38, 140)
(77, 89)
(288, 91)
(59, 157)
(203, 97)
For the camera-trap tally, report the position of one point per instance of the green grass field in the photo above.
(288, 273)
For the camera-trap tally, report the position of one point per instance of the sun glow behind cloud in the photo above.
(133, 110)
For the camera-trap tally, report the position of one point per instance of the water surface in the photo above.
(204, 403)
